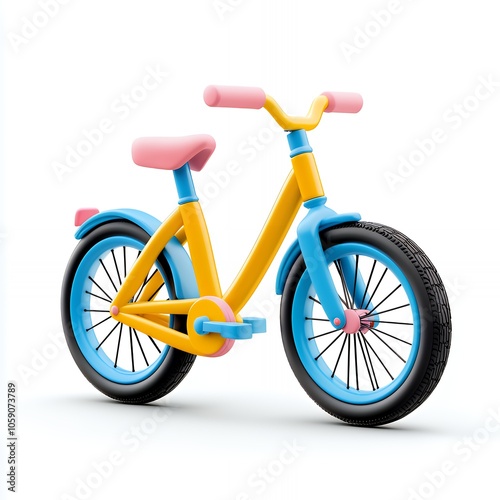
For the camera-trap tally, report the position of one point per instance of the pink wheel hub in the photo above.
(355, 323)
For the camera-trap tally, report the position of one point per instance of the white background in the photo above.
(231, 417)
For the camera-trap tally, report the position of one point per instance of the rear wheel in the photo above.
(122, 362)
(390, 357)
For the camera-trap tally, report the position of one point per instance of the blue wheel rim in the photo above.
(307, 350)
(81, 321)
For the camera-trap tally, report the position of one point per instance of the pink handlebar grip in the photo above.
(234, 97)
(343, 102)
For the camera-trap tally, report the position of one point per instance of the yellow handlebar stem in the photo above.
(287, 122)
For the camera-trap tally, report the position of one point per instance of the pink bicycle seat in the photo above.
(171, 153)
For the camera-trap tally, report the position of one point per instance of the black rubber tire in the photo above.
(435, 326)
(176, 364)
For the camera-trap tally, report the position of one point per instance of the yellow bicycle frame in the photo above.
(188, 224)
(152, 317)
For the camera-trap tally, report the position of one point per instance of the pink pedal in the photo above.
(228, 316)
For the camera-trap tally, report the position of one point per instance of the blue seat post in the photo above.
(184, 184)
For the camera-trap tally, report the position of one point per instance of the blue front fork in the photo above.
(320, 217)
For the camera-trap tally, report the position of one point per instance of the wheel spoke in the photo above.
(97, 324)
(323, 334)
(118, 346)
(368, 284)
(96, 310)
(392, 336)
(348, 360)
(154, 343)
(109, 276)
(107, 336)
(355, 280)
(395, 323)
(378, 284)
(116, 266)
(131, 348)
(377, 356)
(157, 290)
(97, 296)
(366, 361)
(344, 286)
(388, 346)
(370, 360)
(140, 346)
(341, 300)
(146, 281)
(100, 288)
(340, 354)
(382, 312)
(317, 319)
(382, 301)
(124, 263)
(328, 346)
(356, 361)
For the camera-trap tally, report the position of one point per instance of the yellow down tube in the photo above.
(267, 245)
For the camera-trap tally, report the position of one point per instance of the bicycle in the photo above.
(365, 319)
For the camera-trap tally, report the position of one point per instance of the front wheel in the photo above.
(389, 362)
